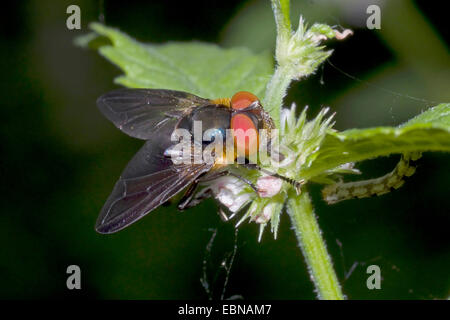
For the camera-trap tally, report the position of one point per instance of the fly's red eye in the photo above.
(242, 100)
(245, 134)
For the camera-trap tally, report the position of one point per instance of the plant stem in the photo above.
(282, 19)
(278, 84)
(313, 247)
(291, 49)
(276, 90)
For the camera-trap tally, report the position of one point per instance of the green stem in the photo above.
(278, 84)
(298, 55)
(313, 247)
(276, 90)
(282, 18)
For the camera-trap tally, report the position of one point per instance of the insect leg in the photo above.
(296, 184)
(230, 173)
(248, 182)
(189, 200)
(188, 196)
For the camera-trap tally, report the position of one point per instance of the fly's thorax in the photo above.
(202, 134)
(209, 117)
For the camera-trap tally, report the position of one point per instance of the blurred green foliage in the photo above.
(60, 158)
(175, 66)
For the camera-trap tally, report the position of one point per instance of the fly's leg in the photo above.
(296, 184)
(188, 196)
(248, 182)
(189, 200)
(191, 197)
(230, 173)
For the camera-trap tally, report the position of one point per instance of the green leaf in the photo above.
(199, 68)
(429, 131)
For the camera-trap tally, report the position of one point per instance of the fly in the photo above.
(152, 177)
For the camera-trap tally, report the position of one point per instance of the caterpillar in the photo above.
(362, 189)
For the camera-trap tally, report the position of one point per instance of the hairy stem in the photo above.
(276, 90)
(313, 247)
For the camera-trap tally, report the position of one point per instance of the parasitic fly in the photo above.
(152, 177)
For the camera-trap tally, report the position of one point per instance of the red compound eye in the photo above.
(245, 135)
(242, 100)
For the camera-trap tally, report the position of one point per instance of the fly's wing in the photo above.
(142, 112)
(149, 180)
(133, 198)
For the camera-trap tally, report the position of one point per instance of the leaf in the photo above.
(429, 131)
(199, 68)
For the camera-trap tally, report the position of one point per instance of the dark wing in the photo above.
(133, 198)
(149, 180)
(141, 112)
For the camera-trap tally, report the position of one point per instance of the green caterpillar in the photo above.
(361, 189)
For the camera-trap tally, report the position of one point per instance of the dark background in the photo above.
(61, 158)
